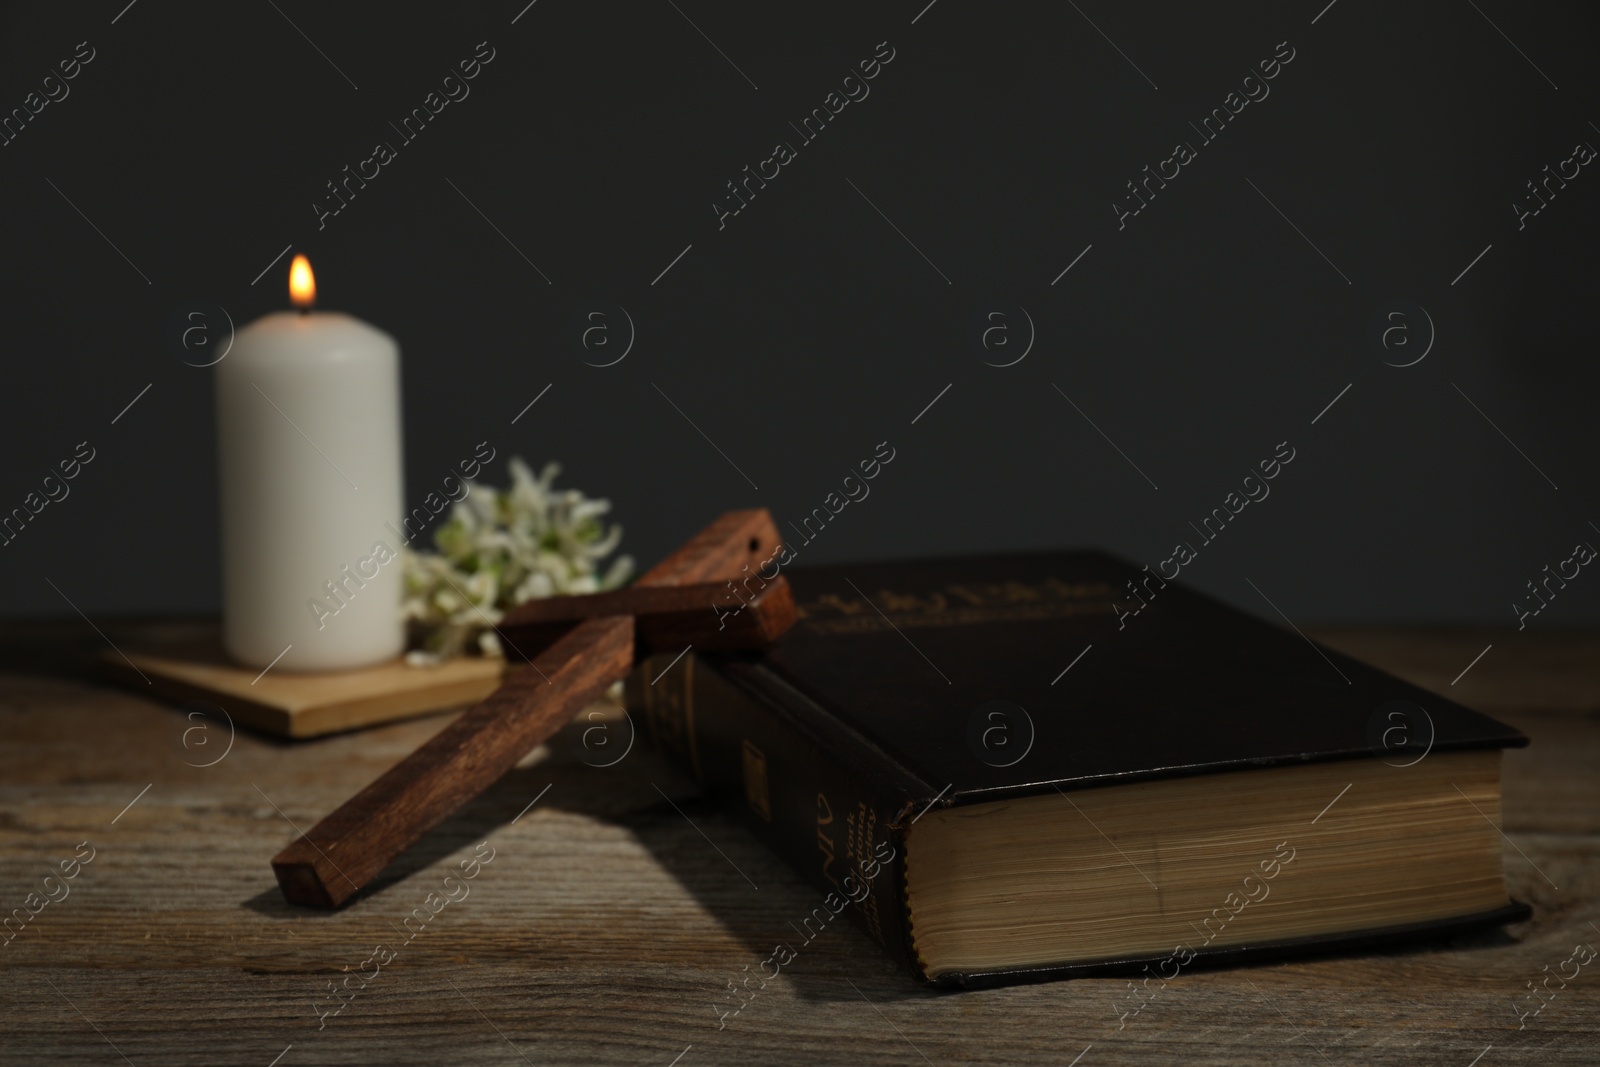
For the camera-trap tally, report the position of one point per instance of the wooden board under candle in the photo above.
(299, 705)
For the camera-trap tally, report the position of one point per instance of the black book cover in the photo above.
(957, 681)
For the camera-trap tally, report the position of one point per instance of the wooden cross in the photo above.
(577, 646)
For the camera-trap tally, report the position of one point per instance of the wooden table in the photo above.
(606, 927)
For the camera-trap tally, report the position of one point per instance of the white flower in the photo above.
(500, 548)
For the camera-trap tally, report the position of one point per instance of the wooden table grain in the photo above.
(614, 909)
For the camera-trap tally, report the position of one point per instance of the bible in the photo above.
(1035, 766)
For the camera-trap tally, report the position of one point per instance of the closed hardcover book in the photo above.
(1022, 767)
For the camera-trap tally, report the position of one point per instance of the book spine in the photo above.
(821, 803)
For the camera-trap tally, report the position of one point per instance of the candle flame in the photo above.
(302, 285)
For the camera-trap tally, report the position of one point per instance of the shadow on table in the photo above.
(476, 821)
(759, 899)
(627, 795)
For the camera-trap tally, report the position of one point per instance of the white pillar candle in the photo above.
(308, 432)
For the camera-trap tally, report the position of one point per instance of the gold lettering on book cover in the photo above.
(825, 837)
(755, 780)
(861, 828)
(964, 604)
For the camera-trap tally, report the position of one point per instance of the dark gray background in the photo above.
(809, 330)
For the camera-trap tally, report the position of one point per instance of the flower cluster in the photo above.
(500, 548)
